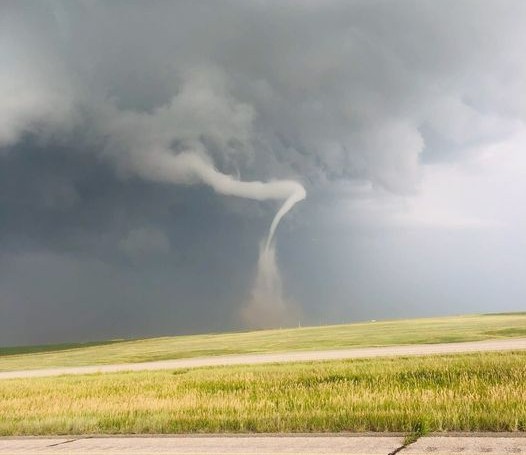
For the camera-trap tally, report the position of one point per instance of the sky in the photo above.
(127, 129)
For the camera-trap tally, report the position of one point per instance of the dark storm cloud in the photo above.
(322, 92)
(326, 88)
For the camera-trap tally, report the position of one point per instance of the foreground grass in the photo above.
(381, 333)
(475, 392)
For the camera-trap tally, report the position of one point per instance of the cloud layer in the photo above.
(392, 115)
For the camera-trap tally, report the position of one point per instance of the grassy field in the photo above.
(381, 333)
(17, 350)
(475, 392)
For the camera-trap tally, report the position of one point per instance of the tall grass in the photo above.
(476, 392)
(382, 333)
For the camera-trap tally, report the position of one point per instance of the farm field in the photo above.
(378, 333)
(475, 392)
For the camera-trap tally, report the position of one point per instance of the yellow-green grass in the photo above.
(472, 392)
(381, 333)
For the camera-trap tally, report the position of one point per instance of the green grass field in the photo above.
(475, 392)
(381, 333)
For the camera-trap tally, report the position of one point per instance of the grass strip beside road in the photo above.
(475, 392)
(381, 333)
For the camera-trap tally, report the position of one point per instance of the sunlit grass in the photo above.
(475, 392)
(381, 333)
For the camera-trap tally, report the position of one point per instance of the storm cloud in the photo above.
(403, 120)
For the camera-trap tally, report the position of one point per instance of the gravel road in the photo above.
(296, 356)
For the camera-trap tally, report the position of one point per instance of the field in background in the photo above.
(475, 392)
(381, 333)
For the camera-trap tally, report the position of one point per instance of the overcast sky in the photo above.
(404, 121)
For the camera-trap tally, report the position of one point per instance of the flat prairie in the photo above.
(377, 333)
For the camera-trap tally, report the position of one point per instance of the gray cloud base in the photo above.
(356, 100)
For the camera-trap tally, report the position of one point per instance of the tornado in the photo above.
(266, 306)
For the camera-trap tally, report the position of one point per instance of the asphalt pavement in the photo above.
(266, 445)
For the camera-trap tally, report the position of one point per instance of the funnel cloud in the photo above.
(267, 306)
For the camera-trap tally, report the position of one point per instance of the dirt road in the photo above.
(298, 356)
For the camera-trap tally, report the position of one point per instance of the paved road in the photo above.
(263, 445)
(266, 445)
(467, 445)
(297, 356)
